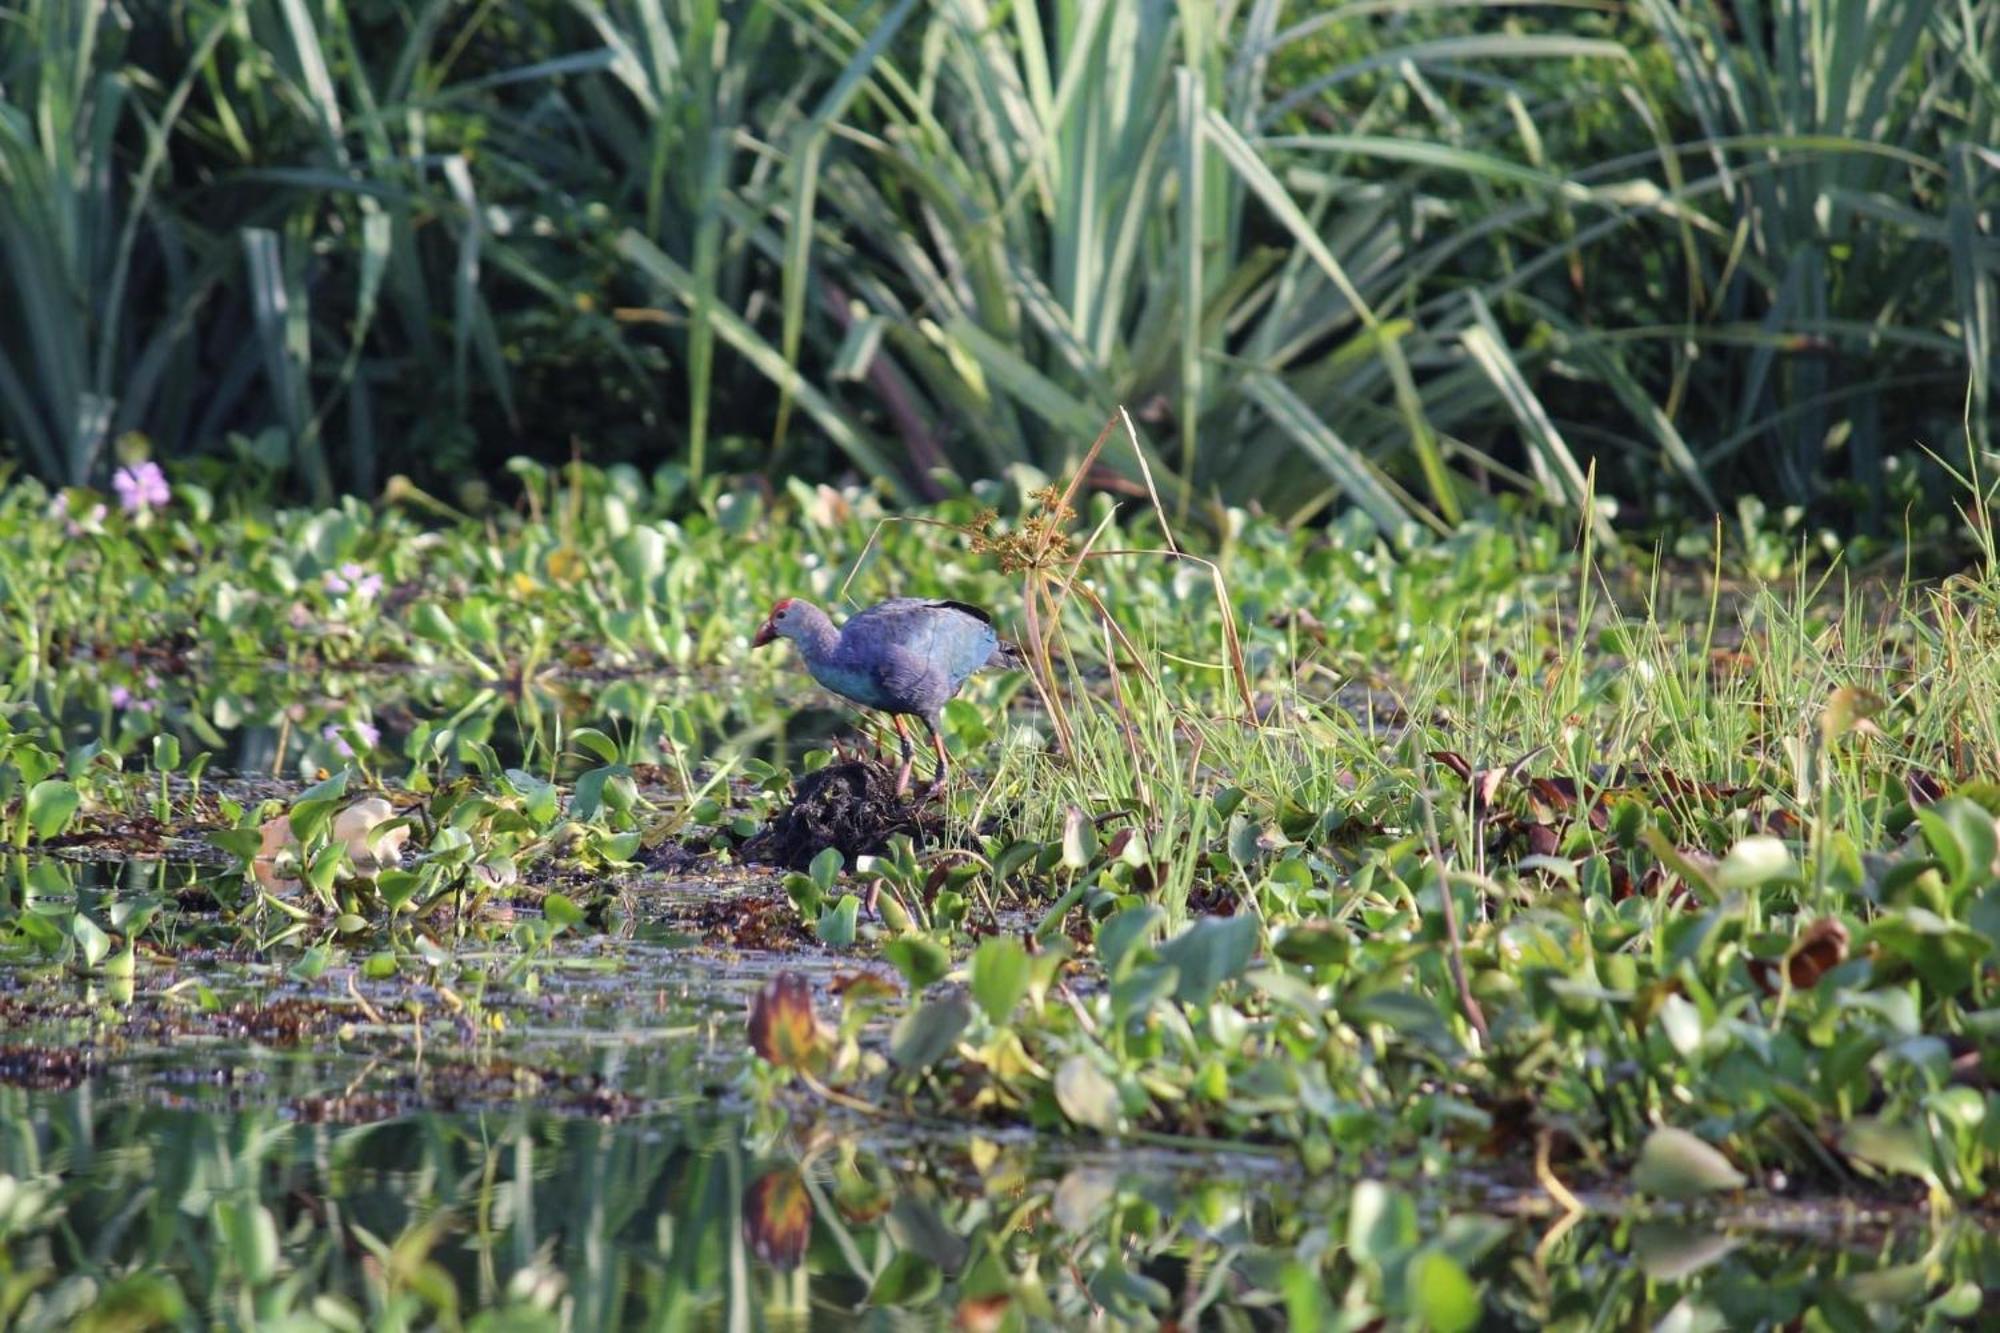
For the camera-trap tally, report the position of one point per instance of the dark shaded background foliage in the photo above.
(410, 237)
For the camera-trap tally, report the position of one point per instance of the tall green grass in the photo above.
(1398, 254)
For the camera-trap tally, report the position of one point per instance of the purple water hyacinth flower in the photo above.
(353, 578)
(367, 733)
(121, 698)
(141, 487)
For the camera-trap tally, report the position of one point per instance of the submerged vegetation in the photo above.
(1443, 868)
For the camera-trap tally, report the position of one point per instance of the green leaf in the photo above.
(928, 1033)
(1443, 1298)
(1209, 952)
(312, 963)
(1755, 862)
(1079, 839)
(1900, 1147)
(1960, 833)
(315, 806)
(1000, 975)
(1381, 1223)
(1676, 1165)
(90, 939)
(826, 867)
(836, 927)
(50, 806)
(1119, 934)
(166, 752)
(560, 911)
(919, 958)
(1086, 1096)
(596, 742)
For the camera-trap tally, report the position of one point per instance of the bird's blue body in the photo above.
(905, 657)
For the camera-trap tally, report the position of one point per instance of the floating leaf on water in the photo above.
(1081, 1197)
(777, 1217)
(1000, 976)
(1670, 1252)
(1209, 952)
(1900, 1147)
(91, 941)
(928, 1033)
(1086, 1096)
(50, 806)
(783, 1028)
(1676, 1165)
(919, 958)
(1443, 1297)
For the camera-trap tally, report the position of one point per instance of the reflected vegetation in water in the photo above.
(114, 1213)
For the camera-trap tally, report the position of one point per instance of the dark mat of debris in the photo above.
(850, 806)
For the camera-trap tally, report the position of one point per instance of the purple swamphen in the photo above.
(905, 657)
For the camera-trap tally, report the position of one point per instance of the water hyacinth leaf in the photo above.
(250, 1237)
(1675, 1165)
(312, 964)
(837, 925)
(596, 743)
(909, 1279)
(1086, 1096)
(784, 1030)
(1668, 1252)
(916, 1226)
(314, 807)
(1900, 1147)
(166, 752)
(1119, 934)
(51, 804)
(777, 1217)
(1755, 862)
(928, 1034)
(1000, 977)
(91, 941)
(1209, 952)
(1961, 834)
(561, 912)
(1381, 1223)
(1440, 1293)
(919, 958)
(825, 868)
(1079, 839)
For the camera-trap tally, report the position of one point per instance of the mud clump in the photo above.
(851, 807)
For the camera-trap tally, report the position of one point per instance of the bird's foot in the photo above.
(932, 792)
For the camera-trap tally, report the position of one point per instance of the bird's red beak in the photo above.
(765, 633)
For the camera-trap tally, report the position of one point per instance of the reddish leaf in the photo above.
(983, 1314)
(783, 1028)
(855, 987)
(1923, 789)
(1821, 948)
(777, 1217)
(1454, 761)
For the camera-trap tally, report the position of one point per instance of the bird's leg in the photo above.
(909, 754)
(943, 761)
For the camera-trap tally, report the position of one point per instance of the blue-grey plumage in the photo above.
(906, 657)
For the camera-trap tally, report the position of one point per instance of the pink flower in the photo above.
(353, 578)
(141, 487)
(121, 698)
(364, 732)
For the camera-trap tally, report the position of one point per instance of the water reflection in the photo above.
(701, 1220)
